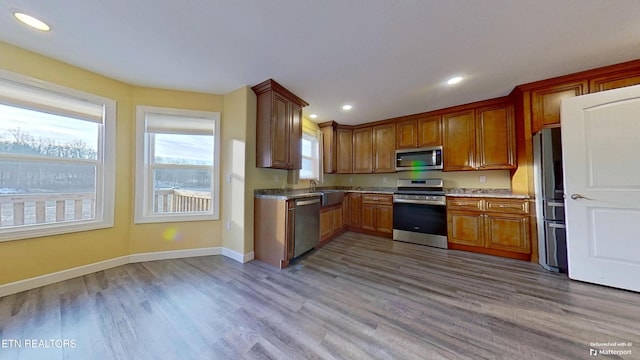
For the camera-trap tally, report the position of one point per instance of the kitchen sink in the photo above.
(331, 197)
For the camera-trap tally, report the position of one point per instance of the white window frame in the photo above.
(144, 183)
(315, 157)
(105, 165)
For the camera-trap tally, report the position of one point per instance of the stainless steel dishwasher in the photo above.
(307, 225)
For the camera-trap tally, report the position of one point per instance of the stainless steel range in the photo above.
(420, 212)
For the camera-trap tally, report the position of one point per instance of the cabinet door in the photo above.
(280, 136)
(465, 228)
(407, 134)
(355, 202)
(369, 216)
(384, 148)
(546, 102)
(337, 220)
(329, 144)
(459, 141)
(495, 138)
(344, 150)
(430, 131)
(614, 81)
(326, 224)
(384, 218)
(507, 232)
(295, 136)
(362, 150)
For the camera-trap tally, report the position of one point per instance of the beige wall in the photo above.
(23, 259)
(495, 179)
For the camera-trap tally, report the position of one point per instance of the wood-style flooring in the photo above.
(358, 297)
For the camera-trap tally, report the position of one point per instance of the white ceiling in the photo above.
(386, 57)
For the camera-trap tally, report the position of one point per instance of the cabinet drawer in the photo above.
(509, 206)
(470, 204)
(377, 198)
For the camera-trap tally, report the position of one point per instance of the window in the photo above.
(310, 157)
(57, 159)
(177, 165)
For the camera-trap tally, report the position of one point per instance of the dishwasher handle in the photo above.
(307, 202)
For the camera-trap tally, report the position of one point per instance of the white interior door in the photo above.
(601, 150)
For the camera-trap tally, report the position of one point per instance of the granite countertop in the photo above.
(286, 194)
(495, 193)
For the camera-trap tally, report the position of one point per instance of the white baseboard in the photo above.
(239, 257)
(174, 254)
(38, 281)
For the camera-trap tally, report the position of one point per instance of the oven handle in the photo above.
(422, 202)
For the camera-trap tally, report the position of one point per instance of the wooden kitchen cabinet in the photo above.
(497, 226)
(384, 148)
(344, 150)
(278, 126)
(459, 141)
(329, 146)
(377, 213)
(352, 210)
(545, 102)
(407, 134)
(614, 81)
(419, 131)
(362, 150)
(495, 137)
(481, 137)
(430, 131)
(331, 224)
(273, 243)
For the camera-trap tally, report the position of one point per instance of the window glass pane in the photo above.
(33, 133)
(306, 147)
(181, 190)
(307, 170)
(35, 192)
(183, 149)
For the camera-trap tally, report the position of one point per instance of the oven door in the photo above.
(426, 219)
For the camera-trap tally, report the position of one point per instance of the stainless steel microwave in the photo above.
(429, 158)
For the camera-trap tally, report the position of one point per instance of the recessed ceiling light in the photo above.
(31, 21)
(313, 116)
(454, 80)
(347, 107)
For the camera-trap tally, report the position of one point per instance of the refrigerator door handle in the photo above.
(557, 226)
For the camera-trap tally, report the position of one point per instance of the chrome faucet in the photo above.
(313, 184)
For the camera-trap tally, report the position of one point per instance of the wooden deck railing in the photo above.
(29, 209)
(172, 200)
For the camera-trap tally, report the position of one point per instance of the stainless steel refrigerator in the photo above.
(549, 192)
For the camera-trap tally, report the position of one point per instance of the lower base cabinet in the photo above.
(273, 242)
(377, 213)
(493, 226)
(331, 222)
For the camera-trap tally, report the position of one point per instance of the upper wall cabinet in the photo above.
(384, 148)
(363, 150)
(542, 99)
(546, 102)
(495, 137)
(278, 126)
(418, 132)
(480, 137)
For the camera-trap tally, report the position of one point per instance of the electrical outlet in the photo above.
(483, 179)
(350, 180)
(384, 179)
(276, 179)
(228, 225)
(229, 177)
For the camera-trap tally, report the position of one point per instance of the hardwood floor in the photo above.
(358, 297)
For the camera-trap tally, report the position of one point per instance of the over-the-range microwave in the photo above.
(428, 158)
